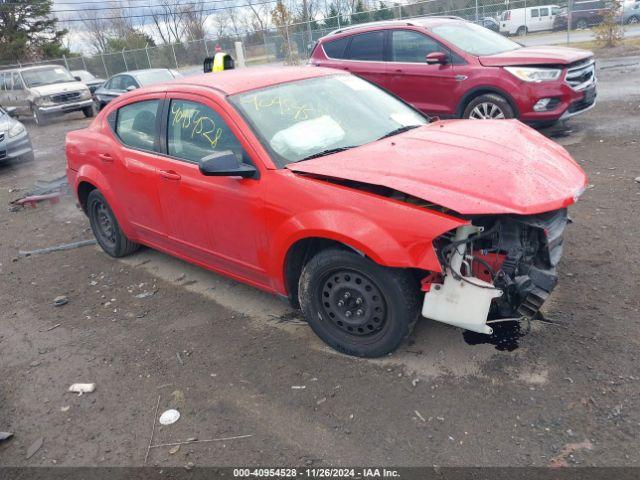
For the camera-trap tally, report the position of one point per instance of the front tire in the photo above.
(39, 118)
(522, 31)
(488, 107)
(106, 228)
(88, 111)
(582, 24)
(632, 20)
(356, 306)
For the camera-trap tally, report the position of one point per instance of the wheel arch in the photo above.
(475, 92)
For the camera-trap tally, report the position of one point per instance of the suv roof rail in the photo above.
(368, 24)
(383, 23)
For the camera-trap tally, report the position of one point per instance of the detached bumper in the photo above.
(67, 107)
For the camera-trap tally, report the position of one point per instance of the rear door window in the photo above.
(336, 48)
(367, 46)
(136, 124)
(413, 47)
(544, 12)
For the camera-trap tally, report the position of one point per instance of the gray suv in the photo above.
(44, 91)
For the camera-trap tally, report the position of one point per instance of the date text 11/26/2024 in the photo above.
(315, 473)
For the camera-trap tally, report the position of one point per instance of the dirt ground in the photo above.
(235, 361)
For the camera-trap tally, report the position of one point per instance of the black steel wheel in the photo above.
(357, 306)
(106, 228)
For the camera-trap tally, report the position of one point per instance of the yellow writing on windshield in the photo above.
(285, 107)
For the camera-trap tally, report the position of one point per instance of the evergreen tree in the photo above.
(332, 17)
(383, 12)
(29, 32)
(360, 14)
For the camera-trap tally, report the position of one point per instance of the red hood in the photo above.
(536, 56)
(469, 166)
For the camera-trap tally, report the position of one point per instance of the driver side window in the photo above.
(412, 47)
(195, 131)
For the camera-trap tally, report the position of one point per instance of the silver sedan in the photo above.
(15, 143)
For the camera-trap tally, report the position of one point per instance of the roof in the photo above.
(235, 81)
(414, 22)
(142, 70)
(33, 67)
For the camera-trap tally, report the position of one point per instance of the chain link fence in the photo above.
(293, 43)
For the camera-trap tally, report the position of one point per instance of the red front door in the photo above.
(429, 88)
(216, 221)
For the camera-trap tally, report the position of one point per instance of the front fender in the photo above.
(393, 234)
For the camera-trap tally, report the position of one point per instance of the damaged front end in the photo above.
(497, 267)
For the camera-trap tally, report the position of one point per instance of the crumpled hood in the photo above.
(536, 56)
(468, 166)
(59, 88)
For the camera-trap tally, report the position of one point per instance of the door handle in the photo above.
(169, 174)
(105, 157)
(398, 70)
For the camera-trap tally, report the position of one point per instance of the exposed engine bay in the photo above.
(499, 266)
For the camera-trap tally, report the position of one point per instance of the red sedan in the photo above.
(318, 186)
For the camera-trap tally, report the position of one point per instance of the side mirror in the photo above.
(78, 78)
(436, 58)
(131, 88)
(11, 111)
(225, 164)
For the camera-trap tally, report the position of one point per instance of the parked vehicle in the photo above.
(490, 23)
(88, 79)
(319, 186)
(584, 14)
(15, 143)
(44, 91)
(452, 68)
(128, 81)
(521, 21)
(630, 12)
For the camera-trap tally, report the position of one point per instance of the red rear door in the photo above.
(362, 54)
(129, 163)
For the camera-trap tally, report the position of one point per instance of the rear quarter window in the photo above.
(336, 48)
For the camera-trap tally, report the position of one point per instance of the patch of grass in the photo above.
(627, 47)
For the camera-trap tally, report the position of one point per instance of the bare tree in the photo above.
(169, 20)
(96, 29)
(194, 21)
(260, 16)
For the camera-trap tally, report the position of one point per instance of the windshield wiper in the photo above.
(406, 128)
(325, 152)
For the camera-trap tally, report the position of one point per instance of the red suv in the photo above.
(452, 68)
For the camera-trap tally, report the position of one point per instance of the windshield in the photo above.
(474, 39)
(84, 75)
(310, 118)
(47, 76)
(154, 76)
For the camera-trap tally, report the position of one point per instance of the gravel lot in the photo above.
(235, 361)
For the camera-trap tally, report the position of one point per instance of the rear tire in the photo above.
(88, 111)
(106, 228)
(489, 106)
(356, 306)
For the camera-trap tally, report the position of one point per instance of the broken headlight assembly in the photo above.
(497, 267)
